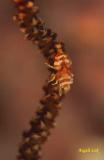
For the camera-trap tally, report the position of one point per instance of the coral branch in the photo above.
(57, 85)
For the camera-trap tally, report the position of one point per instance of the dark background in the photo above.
(80, 24)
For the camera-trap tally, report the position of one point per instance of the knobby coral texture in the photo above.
(56, 86)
